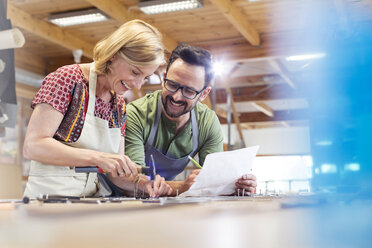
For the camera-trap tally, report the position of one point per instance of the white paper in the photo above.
(220, 172)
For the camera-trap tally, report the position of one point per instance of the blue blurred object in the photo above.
(339, 91)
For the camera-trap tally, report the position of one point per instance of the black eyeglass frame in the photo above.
(183, 87)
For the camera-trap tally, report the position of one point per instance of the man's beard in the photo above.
(186, 107)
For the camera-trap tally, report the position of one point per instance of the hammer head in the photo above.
(149, 171)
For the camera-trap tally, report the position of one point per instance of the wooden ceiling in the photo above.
(250, 38)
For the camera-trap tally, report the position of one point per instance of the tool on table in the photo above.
(195, 163)
(152, 167)
(146, 170)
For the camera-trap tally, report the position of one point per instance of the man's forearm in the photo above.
(178, 187)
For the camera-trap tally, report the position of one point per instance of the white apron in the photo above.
(63, 180)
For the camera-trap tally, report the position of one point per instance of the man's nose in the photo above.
(177, 96)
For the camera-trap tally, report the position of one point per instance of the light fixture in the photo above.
(163, 6)
(305, 57)
(78, 17)
(11, 38)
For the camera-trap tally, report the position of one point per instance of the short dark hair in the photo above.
(194, 56)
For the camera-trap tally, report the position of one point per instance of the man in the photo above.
(167, 126)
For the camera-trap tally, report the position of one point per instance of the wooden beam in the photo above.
(283, 115)
(248, 80)
(120, 12)
(282, 71)
(259, 93)
(239, 20)
(22, 60)
(273, 45)
(207, 101)
(272, 124)
(49, 31)
(285, 124)
(221, 112)
(25, 91)
(263, 108)
(233, 107)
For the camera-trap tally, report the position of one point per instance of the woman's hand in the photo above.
(117, 165)
(158, 187)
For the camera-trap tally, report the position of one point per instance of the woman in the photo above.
(79, 118)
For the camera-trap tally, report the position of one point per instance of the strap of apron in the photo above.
(195, 133)
(155, 125)
(194, 125)
(92, 90)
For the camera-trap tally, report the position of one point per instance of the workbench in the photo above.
(259, 221)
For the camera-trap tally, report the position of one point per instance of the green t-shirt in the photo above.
(141, 116)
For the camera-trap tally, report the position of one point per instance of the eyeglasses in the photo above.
(186, 91)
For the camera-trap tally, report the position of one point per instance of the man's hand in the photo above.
(247, 182)
(190, 180)
(158, 187)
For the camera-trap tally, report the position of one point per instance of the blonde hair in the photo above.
(136, 41)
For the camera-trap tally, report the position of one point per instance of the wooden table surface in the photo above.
(204, 222)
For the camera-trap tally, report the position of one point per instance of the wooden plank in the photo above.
(221, 112)
(207, 101)
(263, 108)
(233, 107)
(283, 115)
(49, 31)
(120, 12)
(240, 22)
(273, 45)
(282, 71)
(22, 60)
(248, 80)
(25, 91)
(259, 93)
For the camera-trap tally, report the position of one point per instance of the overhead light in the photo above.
(78, 17)
(163, 6)
(305, 57)
(324, 143)
(218, 68)
(328, 168)
(352, 167)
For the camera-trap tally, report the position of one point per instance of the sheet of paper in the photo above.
(220, 172)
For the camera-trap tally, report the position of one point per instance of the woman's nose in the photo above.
(138, 83)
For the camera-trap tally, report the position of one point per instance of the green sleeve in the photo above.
(134, 135)
(213, 139)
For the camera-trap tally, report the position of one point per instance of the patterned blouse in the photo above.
(66, 90)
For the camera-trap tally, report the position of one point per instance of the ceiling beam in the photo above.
(263, 108)
(283, 115)
(259, 93)
(25, 91)
(239, 20)
(22, 60)
(273, 45)
(282, 71)
(49, 31)
(117, 10)
(248, 80)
